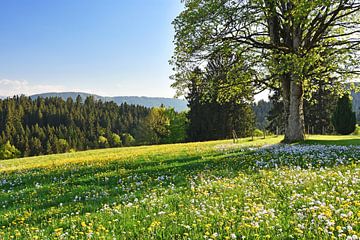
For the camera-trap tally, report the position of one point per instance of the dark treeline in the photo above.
(214, 112)
(52, 125)
(318, 110)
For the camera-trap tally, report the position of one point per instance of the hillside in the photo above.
(178, 104)
(216, 190)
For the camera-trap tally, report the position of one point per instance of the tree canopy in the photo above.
(290, 45)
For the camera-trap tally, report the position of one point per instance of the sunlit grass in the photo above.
(128, 154)
(209, 190)
(333, 140)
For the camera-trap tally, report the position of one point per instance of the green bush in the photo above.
(8, 151)
(116, 140)
(258, 133)
(62, 145)
(357, 130)
(127, 139)
(103, 142)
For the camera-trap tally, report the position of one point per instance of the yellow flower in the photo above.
(298, 230)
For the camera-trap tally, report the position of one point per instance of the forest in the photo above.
(53, 125)
(41, 126)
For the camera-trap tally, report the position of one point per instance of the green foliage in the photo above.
(62, 145)
(127, 139)
(159, 123)
(154, 128)
(177, 127)
(318, 110)
(8, 151)
(43, 125)
(210, 119)
(116, 140)
(357, 130)
(261, 110)
(344, 119)
(162, 125)
(52, 125)
(291, 46)
(103, 142)
(258, 133)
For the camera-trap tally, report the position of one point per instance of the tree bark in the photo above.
(295, 128)
(285, 83)
(295, 123)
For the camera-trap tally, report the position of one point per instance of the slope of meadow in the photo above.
(210, 190)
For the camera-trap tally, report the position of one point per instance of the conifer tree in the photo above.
(344, 119)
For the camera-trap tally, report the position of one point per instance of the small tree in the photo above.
(62, 145)
(103, 142)
(127, 139)
(8, 151)
(177, 126)
(116, 140)
(344, 119)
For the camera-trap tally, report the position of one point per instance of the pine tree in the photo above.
(344, 119)
(53, 125)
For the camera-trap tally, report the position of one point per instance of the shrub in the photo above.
(357, 130)
(116, 140)
(258, 133)
(8, 151)
(103, 142)
(127, 139)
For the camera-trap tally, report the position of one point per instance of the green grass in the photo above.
(216, 190)
(333, 140)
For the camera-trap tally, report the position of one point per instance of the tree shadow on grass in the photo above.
(89, 179)
(139, 177)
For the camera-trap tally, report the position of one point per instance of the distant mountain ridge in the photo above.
(178, 104)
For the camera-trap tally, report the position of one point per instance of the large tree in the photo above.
(286, 44)
(210, 119)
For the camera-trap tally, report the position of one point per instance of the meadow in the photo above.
(212, 190)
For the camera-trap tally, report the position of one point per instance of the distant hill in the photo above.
(178, 104)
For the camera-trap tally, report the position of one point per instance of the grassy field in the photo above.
(212, 190)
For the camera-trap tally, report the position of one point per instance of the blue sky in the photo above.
(106, 47)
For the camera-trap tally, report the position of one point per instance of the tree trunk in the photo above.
(285, 81)
(295, 128)
(295, 124)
